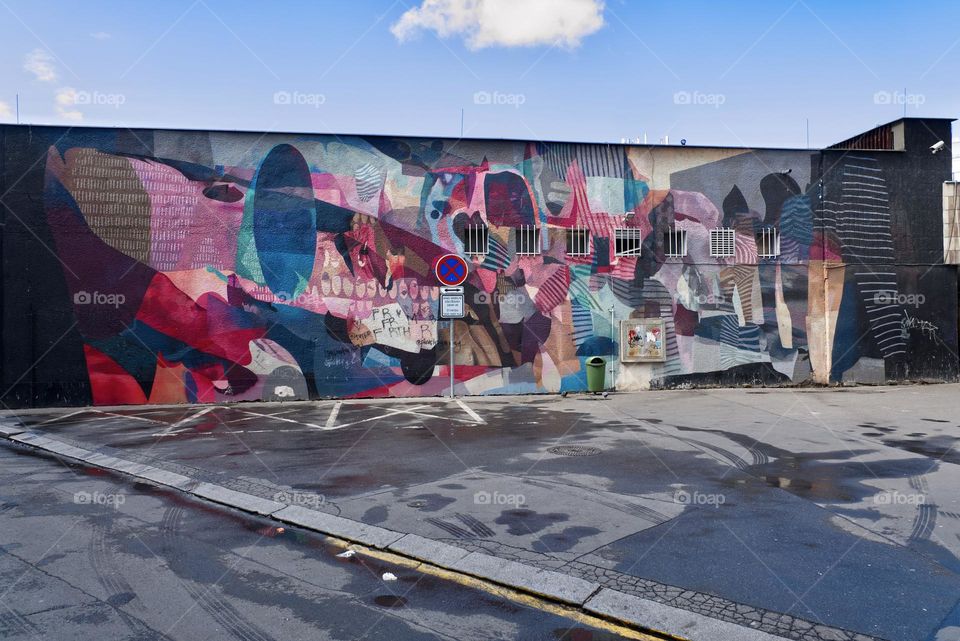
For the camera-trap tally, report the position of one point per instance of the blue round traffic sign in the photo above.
(451, 270)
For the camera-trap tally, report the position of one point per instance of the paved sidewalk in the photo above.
(813, 514)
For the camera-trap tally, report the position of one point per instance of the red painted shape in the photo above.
(209, 324)
(110, 384)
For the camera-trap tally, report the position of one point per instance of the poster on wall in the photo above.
(642, 341)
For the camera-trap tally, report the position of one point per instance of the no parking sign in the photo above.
(451, 270)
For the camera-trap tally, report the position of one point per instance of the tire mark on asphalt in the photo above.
(732, 458)
(452, 529)
(926, 517)
(475, 525)
(209, 598)
(923, 522)
(12, 622)
(645, 513)
(120, 592)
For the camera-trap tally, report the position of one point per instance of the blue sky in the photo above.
(726, 73)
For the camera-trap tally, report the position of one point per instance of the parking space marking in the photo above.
(281, 418)
(65, 416)
(184, 421)
(108, 415)
(181, 426)
(252, 418)
(449, 418)
(466, 408)
(392, 412)
(105, 416)
(332, 419)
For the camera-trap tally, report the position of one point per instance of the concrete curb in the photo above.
(586, 596)
(369, 535)
(611, 604)
(526, 578)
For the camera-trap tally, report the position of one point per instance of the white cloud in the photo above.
(100, 35)
(40, 64)
(66, 102)
(5, 110)
(504, 23)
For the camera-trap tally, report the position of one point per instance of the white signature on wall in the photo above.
(908, 323)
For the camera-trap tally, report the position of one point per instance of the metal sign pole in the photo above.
(451, 358)
(451, 270)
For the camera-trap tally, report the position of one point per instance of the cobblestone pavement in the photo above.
(710, 605)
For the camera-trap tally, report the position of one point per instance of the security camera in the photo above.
(786, 171)
(937, 146)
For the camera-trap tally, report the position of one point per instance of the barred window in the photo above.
(675, 242)
(475, 240)
(527, 240)
(768, 243)
(722, 242)
(578, 241)
(626, 241)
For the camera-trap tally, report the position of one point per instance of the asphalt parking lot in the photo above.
(806, 513)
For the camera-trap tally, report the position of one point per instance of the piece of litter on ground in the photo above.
(389, 576)
(346, 554)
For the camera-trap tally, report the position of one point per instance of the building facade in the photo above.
(160, 266)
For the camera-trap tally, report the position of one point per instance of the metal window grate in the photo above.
(722, 242)
(675, 243)
(578, 241)
(475, 240)
(627, 241)
(768, 243)
(528, 240)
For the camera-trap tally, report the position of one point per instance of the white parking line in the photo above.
(332, 419)
(280, 418)
(187, 419)
(473, 415)
(392, 412)
(130, 416)
(60, 418)
(330, 424)
(251, 418)
(103, 416)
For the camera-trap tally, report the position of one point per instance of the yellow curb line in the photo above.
(523, 598)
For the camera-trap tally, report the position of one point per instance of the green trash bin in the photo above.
(596, 372)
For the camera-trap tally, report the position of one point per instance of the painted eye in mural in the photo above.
(435, 214)
(223, 193)
(284, 219)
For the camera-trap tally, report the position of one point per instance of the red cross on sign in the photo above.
(451, 270)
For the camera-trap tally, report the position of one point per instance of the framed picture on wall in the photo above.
(642, 340)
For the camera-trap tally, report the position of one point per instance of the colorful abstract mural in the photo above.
(217, 267)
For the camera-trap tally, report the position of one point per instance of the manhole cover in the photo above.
(574, 450)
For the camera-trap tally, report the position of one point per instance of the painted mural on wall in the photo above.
(230, 267)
